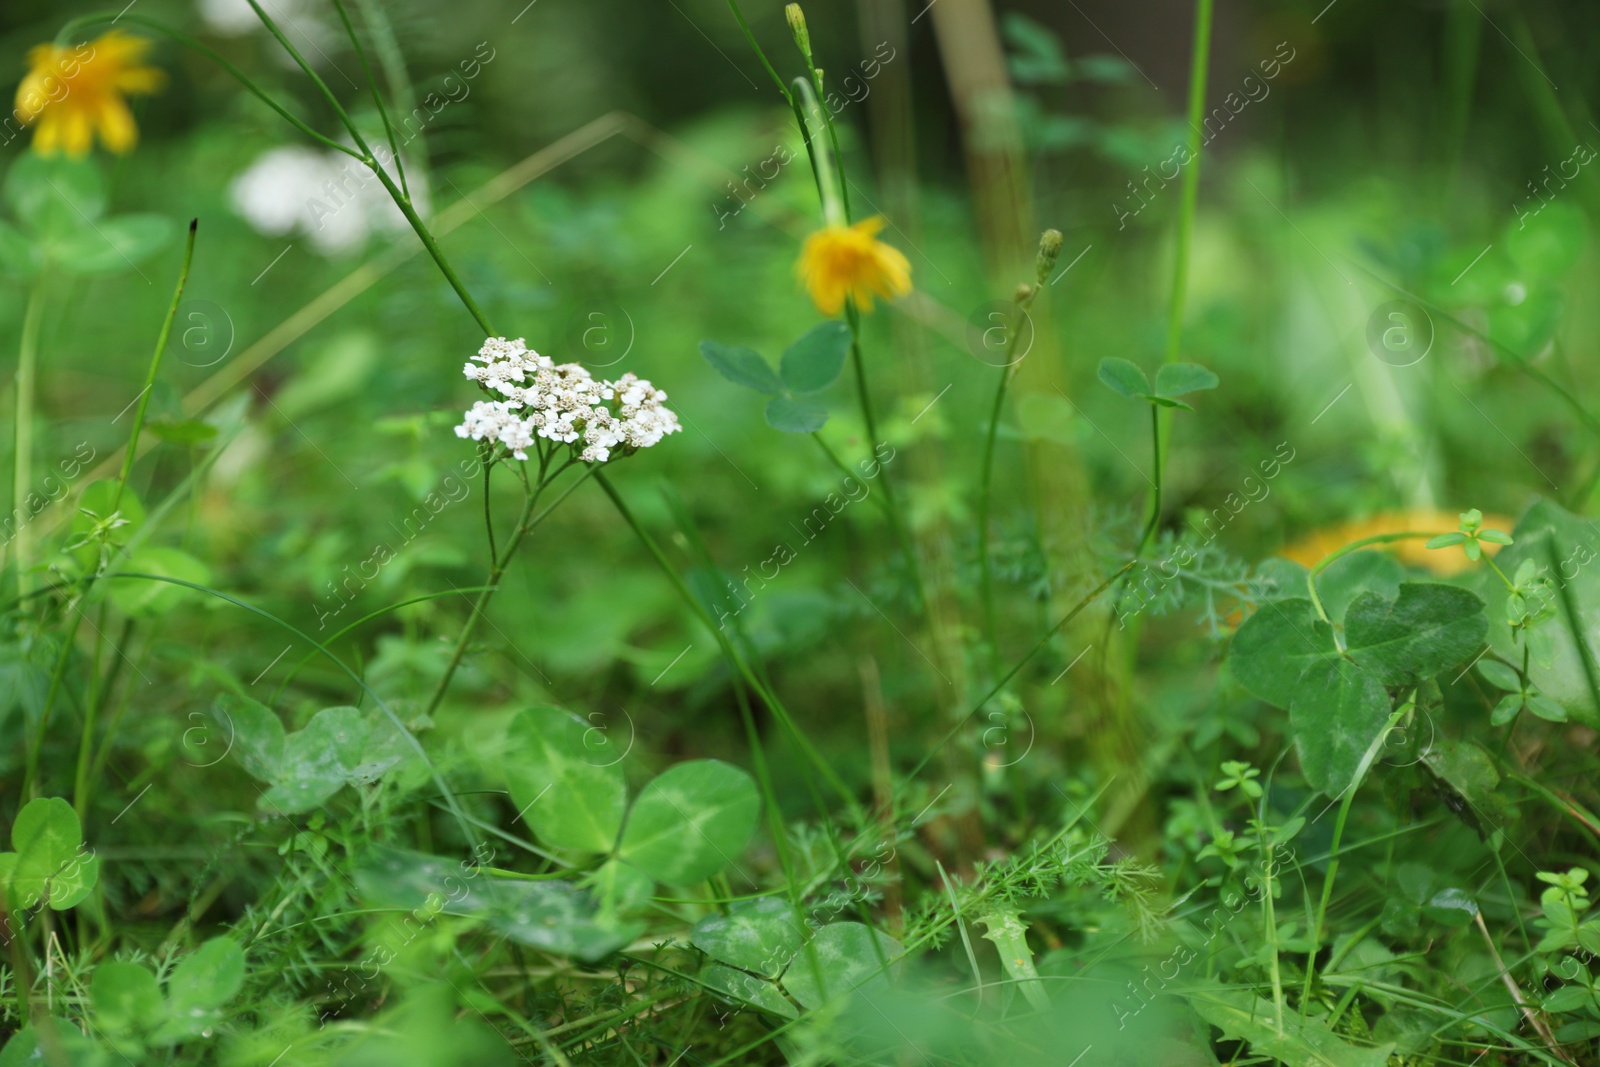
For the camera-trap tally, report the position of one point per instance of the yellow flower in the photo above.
(70, 94)
(840, 261)
(1311, 549)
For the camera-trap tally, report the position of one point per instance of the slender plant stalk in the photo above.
(75, 599)
(1332, 557)
(1199, 61)
(1154, 520)
(22, 478)
(986, 478)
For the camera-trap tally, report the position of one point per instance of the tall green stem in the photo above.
(1199, 61)
(1155, 492)
(22, 479)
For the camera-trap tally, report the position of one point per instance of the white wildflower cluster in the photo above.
(561, 402)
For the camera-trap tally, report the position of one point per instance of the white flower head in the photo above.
(561, 403)
(335, 200)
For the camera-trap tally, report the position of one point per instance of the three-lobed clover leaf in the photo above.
(1519, 693)
(1338, 698)
(807, 367)
(49, 864)
(60, 205)
(1173, 380)
(340, 746)
(130, 1009)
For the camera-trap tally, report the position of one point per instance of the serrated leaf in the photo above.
(796, 414)
(840, 959)
(742, 366)
(1181, 379)
(1337, 714)
(1276, 645)
(812, 363)
(1302, 1042)
(1124, 377)
(691, 822)
(1428, 628)
(760, 935)
(566, 779)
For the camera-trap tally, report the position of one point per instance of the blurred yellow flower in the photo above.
(70, 94)
(1312, 548)
(839, 261)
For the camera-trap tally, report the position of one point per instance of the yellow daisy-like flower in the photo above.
(849, 261)
(70, 94)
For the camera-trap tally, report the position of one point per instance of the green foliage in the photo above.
(49, 863)
(808, 366)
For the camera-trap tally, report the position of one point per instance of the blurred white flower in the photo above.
(310, 35)
(562, 403)
(328, 196)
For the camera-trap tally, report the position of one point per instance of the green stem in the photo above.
(985, 477)
(728, 651)
(364, 154)
(1155, 493)
(131, 452)
(377, 97)
(1199, 60)
(1332, 557)
(21, 486)
(68, 30)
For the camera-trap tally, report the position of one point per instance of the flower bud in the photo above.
(1024, 293)
(797, 26)
(1049, 251)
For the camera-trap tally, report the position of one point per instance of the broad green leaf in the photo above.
(1276, 645)
(748, 989)
(416, 881)
(551, 915)
(840, 959)
(557, 917)
(1338, 713)
(200, 985)
(619, 888)
(1430, 627)
(796, 414)
(253, 733)
(1452, 907)
(1181, 379)
(317, 761)
(141, 598)
(691, 822)
(760, 935)
(812, 363)
(1467, 771)
(126, 997)
(742, 366)
(1564, 636)
(55, 194)
(23, 1050)
(51, 865)
(1349, 576)
(565, 779)
(1124, 377)
(110, 245)
(1298, 1042)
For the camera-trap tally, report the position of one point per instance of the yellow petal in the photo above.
(77, 133)
(46, 135)
(117, 129)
